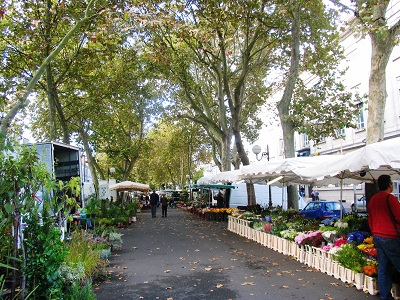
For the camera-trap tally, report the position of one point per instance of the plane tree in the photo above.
(34, 35)
(212, 55)
(372, 19)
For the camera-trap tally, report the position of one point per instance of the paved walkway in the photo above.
(184, 257)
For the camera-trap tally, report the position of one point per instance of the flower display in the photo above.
(329, 236)
(267, 227)
(340, 241)
(313, 238)
(371, 269)
(357, 236)
(350, 257)
(221, 210)
(341, 224)
(326, 248)
(289, 234)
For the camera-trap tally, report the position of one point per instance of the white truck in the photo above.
(238, 196)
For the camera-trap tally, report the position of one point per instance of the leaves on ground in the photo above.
(248, 283)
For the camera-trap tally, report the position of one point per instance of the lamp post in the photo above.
(110, 170)
(257, 150)
(83, 180)
(189, 180)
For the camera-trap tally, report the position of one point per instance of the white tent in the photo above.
(204, 180)
(295, 170)
(130, 186)
(227, 176)
(363, 165)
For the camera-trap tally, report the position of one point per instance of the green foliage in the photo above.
(355, 222)
(44, 254)
(77, 291)
(82, 253)
(350, 257)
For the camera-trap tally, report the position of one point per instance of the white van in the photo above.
(238, 196)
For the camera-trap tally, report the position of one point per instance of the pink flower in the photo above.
(340, 241)
(267, 227)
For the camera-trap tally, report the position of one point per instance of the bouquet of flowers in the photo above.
(289, 234)
(313, 238)
(357, 236)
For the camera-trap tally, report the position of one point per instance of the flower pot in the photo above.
(302, 254)
(346, 275)
(267, 240)
(336, 269)
(358, 280)
(396, 291)
(370, 285)
(308, 258)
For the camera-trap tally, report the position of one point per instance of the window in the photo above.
(281, 147)
(340, 133)
(306, 141)
(398, 84)
(360, 119)
(336, 206)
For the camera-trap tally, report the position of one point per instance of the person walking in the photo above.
(164, 205)
(384, 222)
(154, 199)
(220, 200)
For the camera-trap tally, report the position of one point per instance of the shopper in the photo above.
(164, 205)
(154, 200)
(384, 222)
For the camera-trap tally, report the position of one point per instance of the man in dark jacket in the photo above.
(154, 199)
(164, 205)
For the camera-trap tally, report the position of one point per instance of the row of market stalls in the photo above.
(363, 165)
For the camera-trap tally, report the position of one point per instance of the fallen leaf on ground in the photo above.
(167, 271)
(219, 285)
(248, 283)
(208, 269)
(334, 283)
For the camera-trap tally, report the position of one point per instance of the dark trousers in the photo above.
(153, 210)
(164, 210)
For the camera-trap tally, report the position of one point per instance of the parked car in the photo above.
(360, 205)
(322, 210)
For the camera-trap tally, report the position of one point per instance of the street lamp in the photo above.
(257, 150)
(110, 170)
(190, 186)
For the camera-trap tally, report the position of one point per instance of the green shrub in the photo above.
(81, 252)
(351, 258)
(77, 291)
(45, 253)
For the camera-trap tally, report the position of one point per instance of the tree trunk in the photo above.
(381, 50)
(91, 160)
(52, 108)
(284, 103)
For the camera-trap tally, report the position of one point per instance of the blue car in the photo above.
(322, 210)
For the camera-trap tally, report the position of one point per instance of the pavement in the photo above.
(185, 257)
